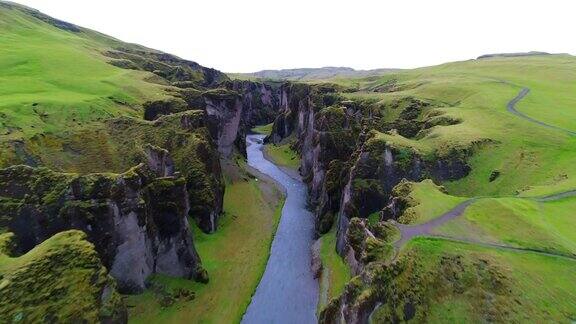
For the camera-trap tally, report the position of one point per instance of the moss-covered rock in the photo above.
(409, 289)
(155, 109)
(137, 220)
(172, 68)
(193, 153)
(59, 281)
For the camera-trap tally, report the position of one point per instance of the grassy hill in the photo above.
(53, 77)
(61, 83)
(509, 254)
(530, 159)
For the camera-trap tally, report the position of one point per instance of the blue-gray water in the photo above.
(287, 292)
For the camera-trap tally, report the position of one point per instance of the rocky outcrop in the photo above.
(316, 263)
(59, 281)
(176, 71)
(177, 142)
(408, 289)
(325, 129)
(137, 220)
(379, 165)
(234, 109)
(159, 160)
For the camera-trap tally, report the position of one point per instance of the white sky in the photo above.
(251, 35)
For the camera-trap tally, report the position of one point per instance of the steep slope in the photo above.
(42, 92)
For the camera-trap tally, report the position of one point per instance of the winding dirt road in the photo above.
(511, 107)
(407, 232)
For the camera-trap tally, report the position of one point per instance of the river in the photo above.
(287, 292)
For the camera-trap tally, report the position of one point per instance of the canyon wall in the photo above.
(137, 220)
(352, 157)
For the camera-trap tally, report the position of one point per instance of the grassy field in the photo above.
(335, 273)
(532, 160)
(281, 153)
(235, 258)
(428, 202)
(264, 129)
(458, 282)
(546, 226)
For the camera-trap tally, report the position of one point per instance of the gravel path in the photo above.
(408, 232)
(511, 107)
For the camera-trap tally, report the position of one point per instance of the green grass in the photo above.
(429, 202)
(532, 160)
(335, 273)
(264, 129)
(463, 282)
(283, 155)
(547, 226)
(53, 82)
(235, 258)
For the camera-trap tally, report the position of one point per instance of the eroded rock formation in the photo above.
(137, 220)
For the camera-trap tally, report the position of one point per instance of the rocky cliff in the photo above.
(232, 108)
(353, 155)
(137, 220)
(186, 146)
(378, 166)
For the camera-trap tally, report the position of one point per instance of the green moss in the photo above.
(373, 218)
(264, 129)
(377, 250)
(59, 280)
(386, 231)
(356, 236)
(335, 272)
(7, 244)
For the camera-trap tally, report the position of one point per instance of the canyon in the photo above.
(436, 194)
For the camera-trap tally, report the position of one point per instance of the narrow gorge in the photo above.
(140, 187)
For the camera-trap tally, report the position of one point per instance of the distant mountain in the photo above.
(532, 53)
(305, 74)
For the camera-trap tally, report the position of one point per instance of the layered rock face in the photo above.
(137, 220)
(324, 132)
